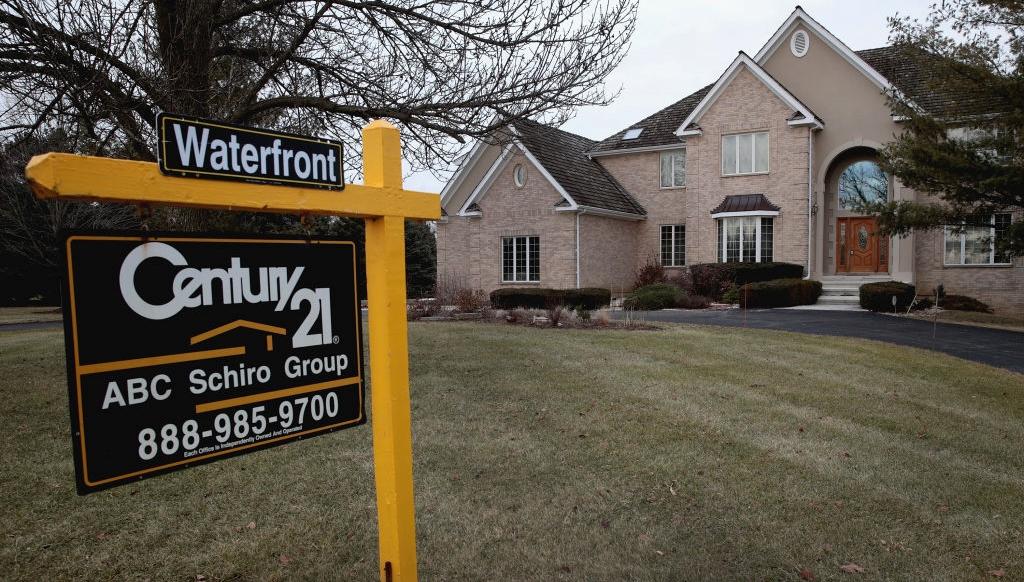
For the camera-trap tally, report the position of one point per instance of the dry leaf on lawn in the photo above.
(851, 568)
(806, 574)
(998, 573)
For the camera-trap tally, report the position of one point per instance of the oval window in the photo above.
(862, 183)
(519, 175)
(862, 237)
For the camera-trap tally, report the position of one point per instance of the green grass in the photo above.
(684, 453)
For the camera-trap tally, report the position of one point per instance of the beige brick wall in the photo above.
(1002, 287)
(640, 175)
(607, 251)
(469, 249)
(745, 105)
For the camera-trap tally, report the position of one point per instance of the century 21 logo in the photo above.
(194, 287)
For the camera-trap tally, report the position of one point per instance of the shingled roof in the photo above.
(564, 156)
(906, 72)
(658, 129)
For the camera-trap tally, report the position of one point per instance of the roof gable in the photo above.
(833, 42)
(802, 114)
(564, 156)
(561, 157)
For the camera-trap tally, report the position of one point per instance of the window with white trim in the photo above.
(520, 259)
(745, 153)
(746, 239)
(673, 169)
(673, 245)
(976, 245)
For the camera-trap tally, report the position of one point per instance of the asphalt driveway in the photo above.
(995, 347)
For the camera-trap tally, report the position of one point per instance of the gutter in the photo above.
(810, 194)
(581, 211)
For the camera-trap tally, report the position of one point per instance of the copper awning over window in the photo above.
(745, 203)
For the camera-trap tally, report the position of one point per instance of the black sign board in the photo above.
(200, 148)
(187, 349)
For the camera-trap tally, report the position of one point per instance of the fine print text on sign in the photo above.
(200, 148)
(184, 350)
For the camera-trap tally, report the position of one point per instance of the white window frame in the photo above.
(948, 232)
(672, 169)
(673, 259)
(753, 154)
(519, 175)
(723, 253)
(515, 259)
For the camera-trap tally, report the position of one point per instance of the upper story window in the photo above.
(673, 169)
(745, 153)
(976, 245)
(862, 183)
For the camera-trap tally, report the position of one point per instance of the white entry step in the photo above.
(842, 292)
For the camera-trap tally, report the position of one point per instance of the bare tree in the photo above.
(30, 257)
(445, 69)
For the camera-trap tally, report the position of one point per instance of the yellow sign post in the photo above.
(384, 205)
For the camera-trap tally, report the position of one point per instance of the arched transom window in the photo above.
(862, 183)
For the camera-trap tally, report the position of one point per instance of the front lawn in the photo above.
(545, 454)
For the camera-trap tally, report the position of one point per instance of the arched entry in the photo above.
(854, 180)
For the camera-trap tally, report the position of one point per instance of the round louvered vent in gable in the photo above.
(799, 43)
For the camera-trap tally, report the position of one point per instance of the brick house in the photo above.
(761, 165)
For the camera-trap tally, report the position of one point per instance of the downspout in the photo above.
(810, 194)
(578, 213)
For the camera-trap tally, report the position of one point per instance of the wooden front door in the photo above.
(858, 248)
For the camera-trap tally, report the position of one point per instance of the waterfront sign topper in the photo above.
(185, 350)
(200, 148)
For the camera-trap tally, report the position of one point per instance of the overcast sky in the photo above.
(681, 45)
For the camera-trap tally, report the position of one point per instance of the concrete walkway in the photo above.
(995, 347)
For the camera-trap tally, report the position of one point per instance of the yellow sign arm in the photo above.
(70, 176)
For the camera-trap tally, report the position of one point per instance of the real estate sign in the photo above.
(200, 148)
(187, 349)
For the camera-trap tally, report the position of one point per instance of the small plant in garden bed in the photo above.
(963, 303)
(470, 300)
(649, 273)
(654, 297)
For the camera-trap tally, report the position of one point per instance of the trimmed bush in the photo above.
(754, 272)
(545, 298)
(525, 297)
(878, 296)
(693, 302)
(654, 297)
(964, 303)
(779, 293)
(586, 298)
(714, 279)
